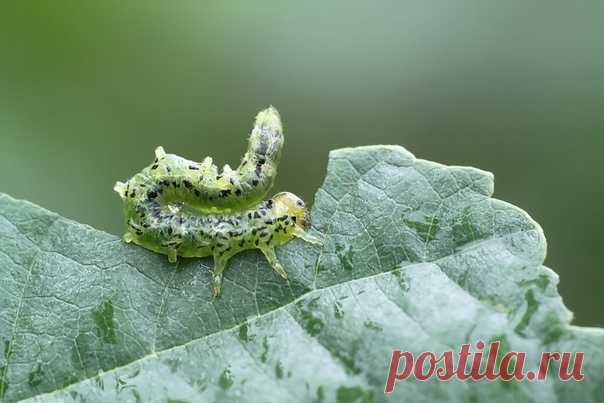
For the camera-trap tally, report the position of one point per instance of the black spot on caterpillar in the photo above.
(183, 208)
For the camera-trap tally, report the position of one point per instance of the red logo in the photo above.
(450, 365)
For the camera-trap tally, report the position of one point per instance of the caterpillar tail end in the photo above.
(120, 189)
(269, 118)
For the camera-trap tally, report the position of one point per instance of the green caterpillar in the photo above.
(183, 208)
(200, 186)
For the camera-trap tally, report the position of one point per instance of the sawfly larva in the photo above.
(179, 207)
(202, 187)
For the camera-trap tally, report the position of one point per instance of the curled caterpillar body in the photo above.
(171, 209)
(176, 231)
(199, 184)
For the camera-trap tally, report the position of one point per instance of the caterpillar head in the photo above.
(267, 135)
(292, 205)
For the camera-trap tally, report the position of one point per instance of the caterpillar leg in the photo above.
(128, 237)
(120, 188)
(269, 252)
(172, 246)
(219, 266)
(159, 152)
(300, 233)
(172, 255)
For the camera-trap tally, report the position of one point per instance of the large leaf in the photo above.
(418, 256)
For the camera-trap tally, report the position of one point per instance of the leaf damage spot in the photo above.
(279, 370)
(311, 321)
(345, 257)
(103, 318)
(243, 333)
(531, 308)
(264, 355)
(425, 226)
(369, 324)
(36, 377)
(3, 381)
(542, 281)
(354, 394)
(338, 311)
(348, 358)
(226, 379)
(320, 395)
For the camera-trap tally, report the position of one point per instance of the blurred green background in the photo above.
(89, 89)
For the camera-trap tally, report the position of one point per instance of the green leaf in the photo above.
(418, 257)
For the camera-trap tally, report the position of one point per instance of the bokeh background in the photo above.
(89, 88)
